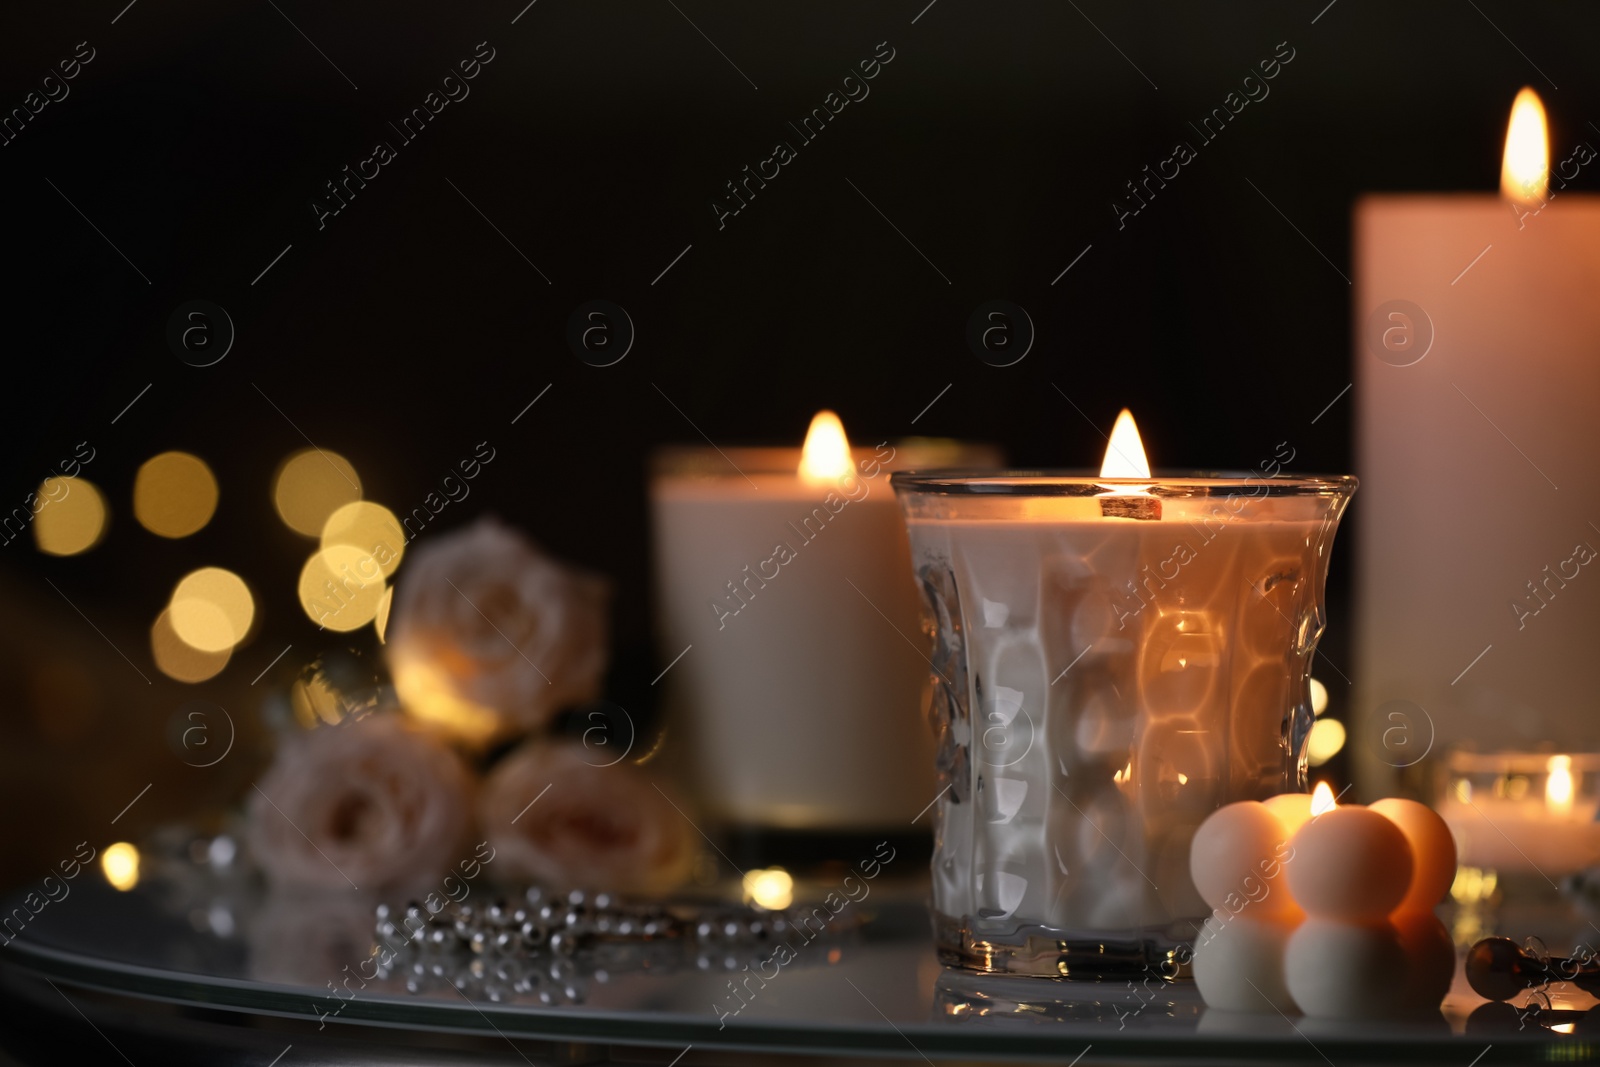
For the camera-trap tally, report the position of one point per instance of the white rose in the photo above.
(372, 802)
(590, 827)
(489, 636)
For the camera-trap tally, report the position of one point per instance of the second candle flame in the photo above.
(826, 455)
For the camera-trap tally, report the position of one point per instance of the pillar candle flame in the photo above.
(1525, 168)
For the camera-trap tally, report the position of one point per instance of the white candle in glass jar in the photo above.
(1117, 657)
(1165, 700)
(1515, 826)
(783, 578)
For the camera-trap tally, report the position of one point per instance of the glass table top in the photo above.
(874, 989)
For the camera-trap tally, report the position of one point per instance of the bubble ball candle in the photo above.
(1115, 658)
(1323, 909)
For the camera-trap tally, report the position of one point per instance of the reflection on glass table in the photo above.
(867, 983)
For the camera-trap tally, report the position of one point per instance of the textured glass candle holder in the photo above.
(1112, 661)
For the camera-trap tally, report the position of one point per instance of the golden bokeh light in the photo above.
(212, 609)
(310, 486)
(370, 527)
(771, 888)
(341, 587)
(1319, 697)
(180, 660)
(174, 494)
(72, 517)
(1327, 738)
(120, 862)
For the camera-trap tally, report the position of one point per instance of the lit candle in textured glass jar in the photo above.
(1116, 657)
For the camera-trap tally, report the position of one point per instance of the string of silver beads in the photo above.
(562, 924)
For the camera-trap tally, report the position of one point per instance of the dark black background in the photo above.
(408, 330)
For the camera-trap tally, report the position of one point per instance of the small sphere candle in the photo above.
(1351, 864)
(1433, 849)
(1236, 861)
(1292, 809)
(1239, 965)
(1430, 958)
(1344, 970)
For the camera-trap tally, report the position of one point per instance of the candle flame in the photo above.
(1125, 456)
(1558, 784)
(826, 455)
(1525, 169)
(1322, 799)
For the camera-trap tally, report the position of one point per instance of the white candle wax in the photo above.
(1523, 835)
(800, 693)
(1482, 623)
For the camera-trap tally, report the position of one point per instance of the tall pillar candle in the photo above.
(1476, 379)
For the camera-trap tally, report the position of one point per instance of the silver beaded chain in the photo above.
(551, 946)
(562, 924)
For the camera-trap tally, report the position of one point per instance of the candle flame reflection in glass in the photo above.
(1524, 170)
(826, 455)
(1558, 786)
(1322, 799)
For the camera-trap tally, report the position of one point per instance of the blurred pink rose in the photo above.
(489, 636)
(373, 802)
(594, 827)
